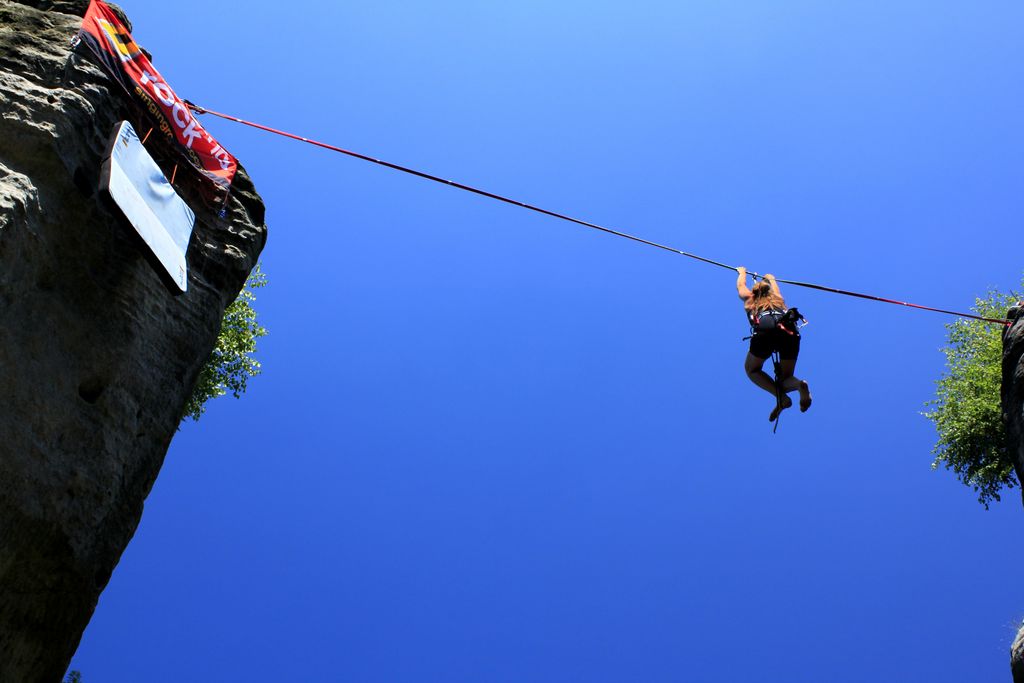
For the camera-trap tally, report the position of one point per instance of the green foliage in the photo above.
(967, 412)
(73, 677)
(231, 364)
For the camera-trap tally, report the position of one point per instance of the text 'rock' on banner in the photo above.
(112, 44)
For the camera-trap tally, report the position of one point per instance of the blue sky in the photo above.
(491, 446)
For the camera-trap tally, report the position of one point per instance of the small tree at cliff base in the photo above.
(967, 411)
(232, 363)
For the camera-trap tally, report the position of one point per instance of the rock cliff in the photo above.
(1013, 389)
(1013, 418)
(97, 358)
(1017, 657)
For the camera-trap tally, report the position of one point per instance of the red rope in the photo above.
(491, 195)
(1001, 321)
(452, 183)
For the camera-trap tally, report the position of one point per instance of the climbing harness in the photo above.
(788, 321)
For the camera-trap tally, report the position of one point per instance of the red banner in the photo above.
(113, 46)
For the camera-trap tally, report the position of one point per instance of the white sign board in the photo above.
(148, 201)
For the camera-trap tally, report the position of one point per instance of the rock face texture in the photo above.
(97, 358)
(1013, 388)
(1013, 418)
(1017, 657)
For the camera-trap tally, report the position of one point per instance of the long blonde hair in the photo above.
(763, 297)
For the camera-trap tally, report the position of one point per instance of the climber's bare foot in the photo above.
(805, 397)
(786, 402)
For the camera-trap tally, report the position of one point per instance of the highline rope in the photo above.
(468, 188)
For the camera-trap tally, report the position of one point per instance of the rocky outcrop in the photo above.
(1013, 418)
(1017, 657)
(1013, 389)
(97, 358)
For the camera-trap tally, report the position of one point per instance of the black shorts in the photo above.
(764, 344)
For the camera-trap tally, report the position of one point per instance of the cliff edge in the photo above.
(98, 358)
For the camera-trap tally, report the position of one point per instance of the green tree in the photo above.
(967, 411)
(232, 363)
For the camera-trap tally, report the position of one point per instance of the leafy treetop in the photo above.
(232, 363)
(967, 411)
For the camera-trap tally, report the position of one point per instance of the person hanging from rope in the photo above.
(773, 329)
